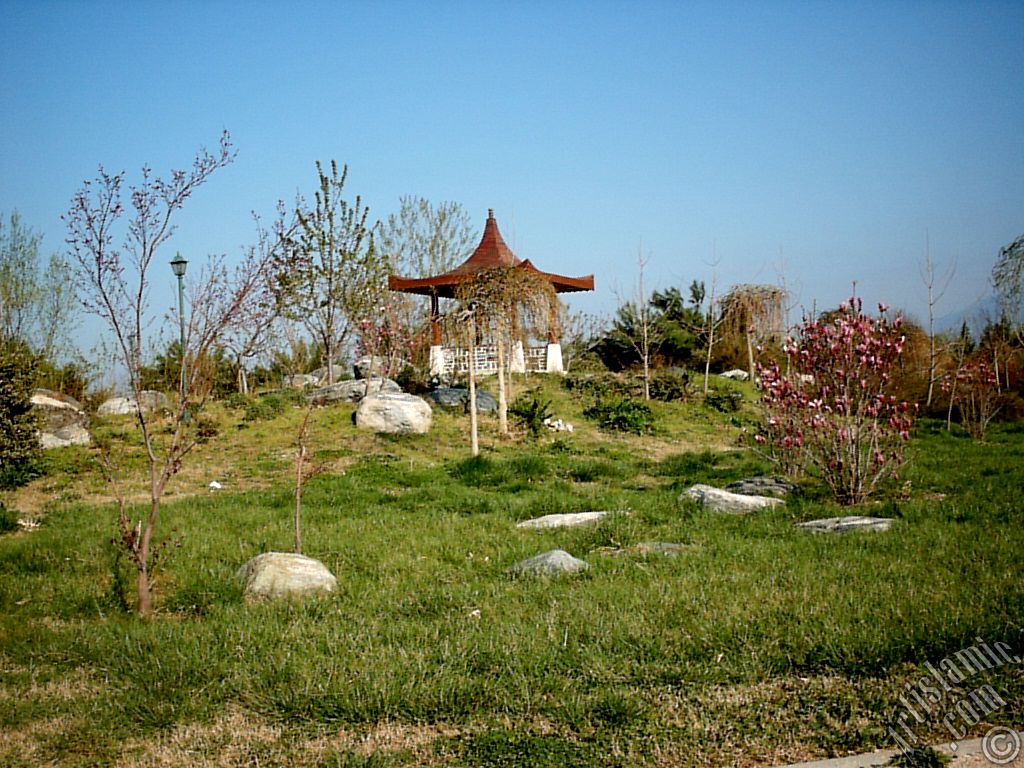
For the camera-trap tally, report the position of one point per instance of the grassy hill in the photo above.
(756, 644)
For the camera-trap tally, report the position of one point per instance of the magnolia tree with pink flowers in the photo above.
(974, 389)
(831, 412)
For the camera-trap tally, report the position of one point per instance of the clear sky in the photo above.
(822, 142)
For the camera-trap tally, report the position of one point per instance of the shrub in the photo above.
(724, 401)
(8, 519)
(622, 415)
(271, 405)
(833, 412)
(670, 386)
(19, 443)
(529, 411)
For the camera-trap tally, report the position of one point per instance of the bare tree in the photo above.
(115, 281)
(711, 323)
(643, 336)
(934, 296)
(249, 336)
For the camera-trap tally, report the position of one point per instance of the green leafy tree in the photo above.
(38, 304)
(329, 274)
(422, 239)
(1008, 280)
(668, 326)
(19, 441)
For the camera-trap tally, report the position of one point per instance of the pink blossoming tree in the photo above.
(974, 389)
(832, 413)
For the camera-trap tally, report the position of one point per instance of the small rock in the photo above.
(285, 574)
(553, 563)
(717, 500)
(736, 375)
(762, 486)
(567, 520)
(645, 549)
(557, 425)
(847, 524)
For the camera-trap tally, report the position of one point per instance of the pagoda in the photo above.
(492, 253)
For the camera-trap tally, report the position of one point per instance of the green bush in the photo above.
(19, 444)
(271, 405)
(8, 519)
(622, 415)
(724, 401)
(670, 386)
(529, 412)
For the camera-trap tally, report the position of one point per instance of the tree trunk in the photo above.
(243, 380)
(474, 442)
(329, 354)
(300, 460)
(502, 396)
(750, 353)
(144, 603)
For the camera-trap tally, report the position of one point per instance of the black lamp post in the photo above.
(178, 266)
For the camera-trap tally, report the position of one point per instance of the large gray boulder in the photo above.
(152, 400)
(366, 365)
(717, 500)
(300, 381)
(458, 397)
(846, 524)
(285, 574)
(567, 520)
(321, 373)
(63, 421)
(351, 391)
(762, 486)
(125, 406)
(554, 563)
(116, 406)
(395, 413)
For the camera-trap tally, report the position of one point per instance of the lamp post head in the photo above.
(178, 265)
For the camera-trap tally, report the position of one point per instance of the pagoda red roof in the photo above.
(490, 254)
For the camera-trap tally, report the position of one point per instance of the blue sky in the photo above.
(823, 142)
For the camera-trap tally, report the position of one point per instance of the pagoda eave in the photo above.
(444, 286)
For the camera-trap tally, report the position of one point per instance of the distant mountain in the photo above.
(976, 315)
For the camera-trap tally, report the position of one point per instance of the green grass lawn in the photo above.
(757, 644)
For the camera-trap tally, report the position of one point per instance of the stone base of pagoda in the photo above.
(554, 359)
(518, 362)
(436, 360)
